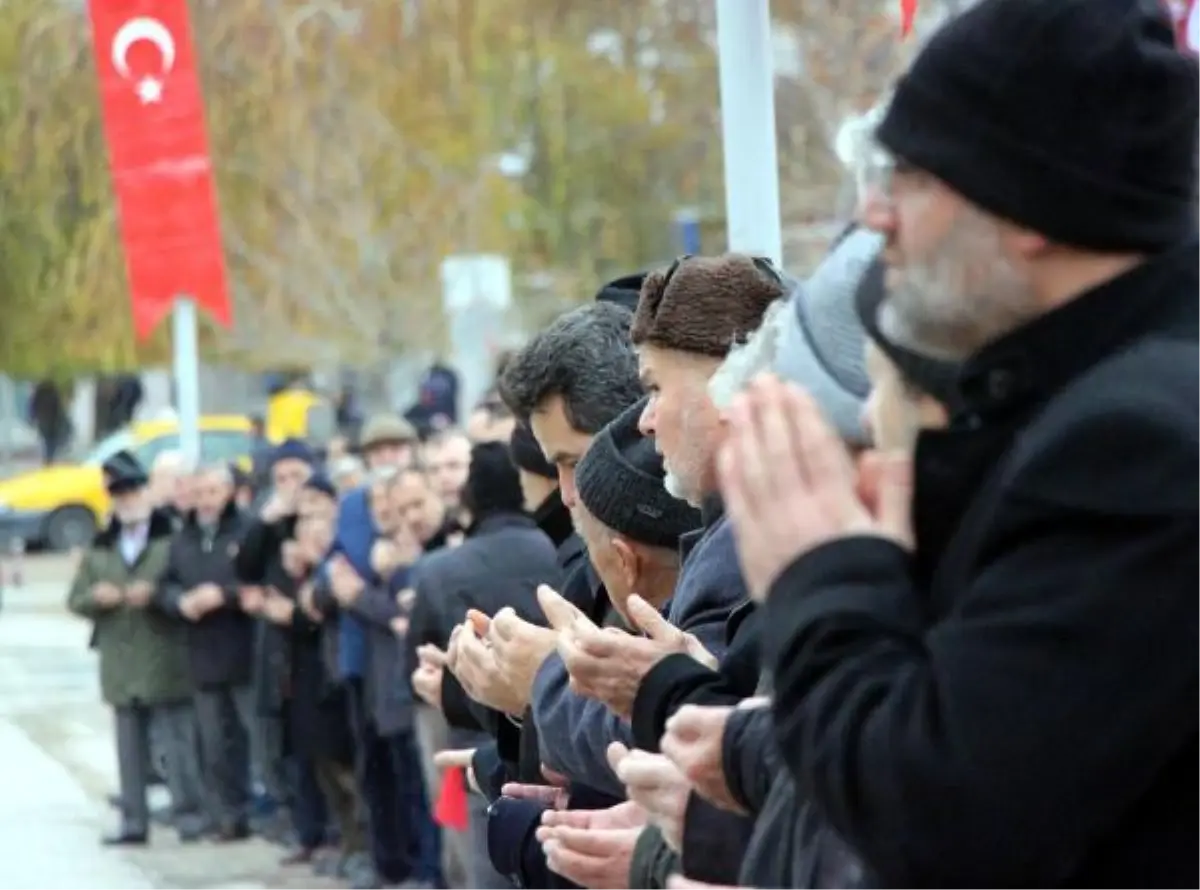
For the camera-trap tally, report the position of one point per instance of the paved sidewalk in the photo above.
(49, 826)
(57, 764)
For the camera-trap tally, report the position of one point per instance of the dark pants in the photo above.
(380, 790)
(53, 442)
(166, 736)
(310, 816)
(340, 788)
(424, 839)
(225, 715)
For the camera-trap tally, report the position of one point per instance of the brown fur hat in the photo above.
(704, 305)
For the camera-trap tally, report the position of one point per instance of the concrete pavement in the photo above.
(57, 764)
(48, 826)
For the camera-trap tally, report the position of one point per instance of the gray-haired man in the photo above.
(200, 588)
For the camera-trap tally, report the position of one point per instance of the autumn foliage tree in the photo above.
(358, 142)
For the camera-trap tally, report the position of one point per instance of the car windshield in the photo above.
(107, 447)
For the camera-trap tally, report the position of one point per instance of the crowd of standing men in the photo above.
(880, 576)
(248, 641)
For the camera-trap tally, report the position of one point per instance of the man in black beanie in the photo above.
(631, 527)
(1038, 149)
(1014, 703)
(628, 522)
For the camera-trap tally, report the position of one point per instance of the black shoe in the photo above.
(299, 856)
(229, 833)
(124, 839)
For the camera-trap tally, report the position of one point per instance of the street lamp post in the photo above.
(746, 60)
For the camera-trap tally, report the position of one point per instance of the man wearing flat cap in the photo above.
(143, 661)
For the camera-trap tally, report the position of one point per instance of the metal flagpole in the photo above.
(187, 377)
(746, 59)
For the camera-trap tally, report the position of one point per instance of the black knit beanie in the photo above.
(1074, 118)
(493, 485)
(527, 453)
(293, 449)
(322, 483)
(620, 482)
(623, 291)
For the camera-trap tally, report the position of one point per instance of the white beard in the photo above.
(674, 486)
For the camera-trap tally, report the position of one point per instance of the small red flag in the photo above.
(908, 12)
(159, 157)
(450, 811)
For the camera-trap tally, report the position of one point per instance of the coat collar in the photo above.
(712, 508)
(554, 518)
(1026, 367)
(1009, 381)
(230, 515)
(490, 523)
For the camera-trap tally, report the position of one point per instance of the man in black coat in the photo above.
(500, 564)
(266, 591)
(200, 588)
(1014, 701)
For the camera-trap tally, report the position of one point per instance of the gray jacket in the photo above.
(387, 689)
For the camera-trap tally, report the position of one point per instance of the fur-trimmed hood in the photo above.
(705, 305)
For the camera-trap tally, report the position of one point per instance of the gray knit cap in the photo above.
(823, 347)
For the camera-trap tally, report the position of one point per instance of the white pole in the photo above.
(746, 59)
(187, 377)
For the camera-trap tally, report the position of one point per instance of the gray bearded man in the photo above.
(143, 662)
(200, 589)
(1010, 699)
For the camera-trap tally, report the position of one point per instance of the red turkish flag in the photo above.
(158, 152)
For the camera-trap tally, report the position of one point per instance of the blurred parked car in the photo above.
(61, 506)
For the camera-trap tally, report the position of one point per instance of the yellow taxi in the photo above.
(62, 505)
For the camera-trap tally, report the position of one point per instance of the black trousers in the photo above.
(393, 842)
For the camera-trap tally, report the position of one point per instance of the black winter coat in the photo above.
(221, 644)
(316, 705)
(1020, 695)
(502, 562)
(260, 563)
(792, 845)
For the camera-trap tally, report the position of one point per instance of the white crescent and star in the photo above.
(149, 88)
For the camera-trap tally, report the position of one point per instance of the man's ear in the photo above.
(628, 560)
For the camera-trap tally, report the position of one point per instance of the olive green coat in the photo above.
(143, 657)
